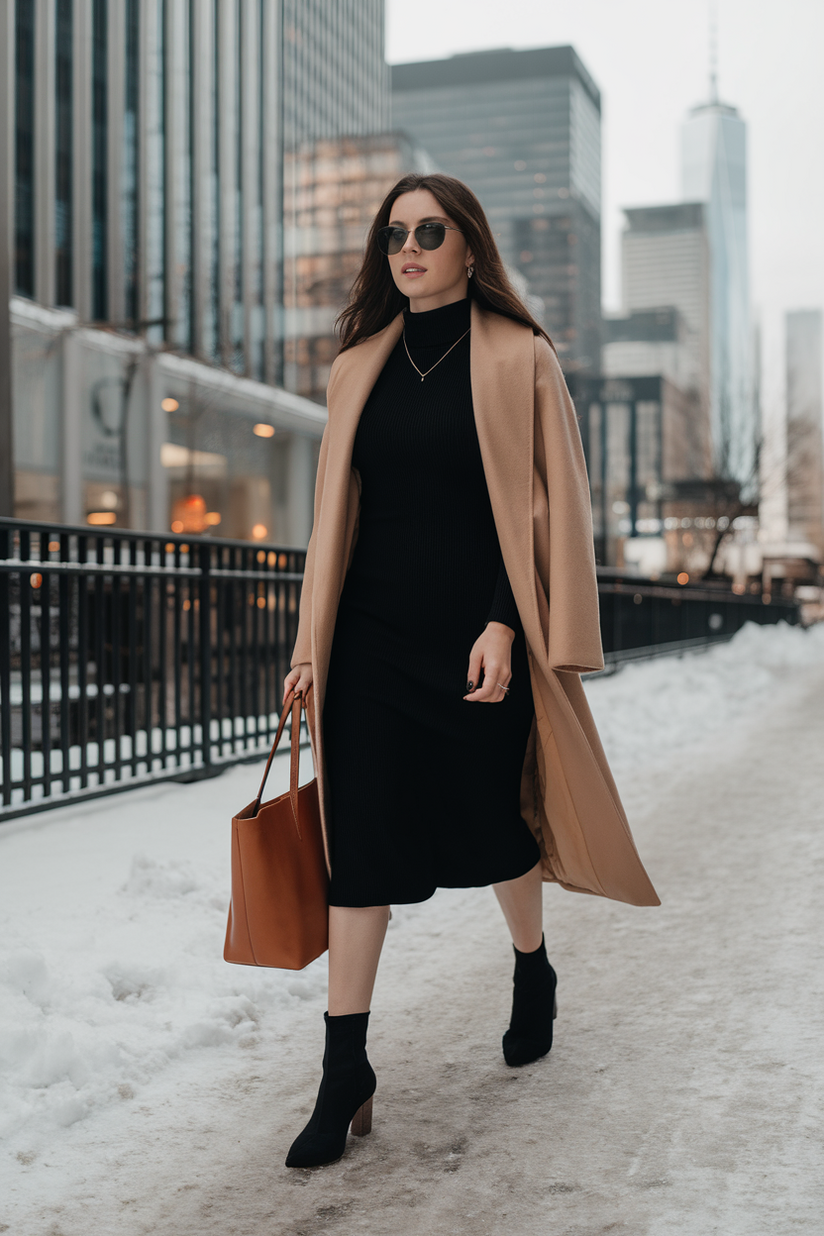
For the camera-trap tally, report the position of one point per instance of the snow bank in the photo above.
(649, 711)
(113, 913)
(87, 1020)
(111, 966)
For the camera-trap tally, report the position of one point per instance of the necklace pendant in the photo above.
(423, 375)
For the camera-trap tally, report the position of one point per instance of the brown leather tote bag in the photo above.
(279, 910)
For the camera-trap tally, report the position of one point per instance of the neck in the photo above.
(421, 304)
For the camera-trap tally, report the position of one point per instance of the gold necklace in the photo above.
(437, 362)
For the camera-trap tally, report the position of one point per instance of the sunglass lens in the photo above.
(430, 235)
(390, 239)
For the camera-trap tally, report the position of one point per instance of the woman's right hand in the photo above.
(299, 679)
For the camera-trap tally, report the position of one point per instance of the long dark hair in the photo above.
(375, 299)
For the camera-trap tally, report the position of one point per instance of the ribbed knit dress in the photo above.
(424, 786)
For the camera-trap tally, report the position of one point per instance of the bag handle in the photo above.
(294, 702)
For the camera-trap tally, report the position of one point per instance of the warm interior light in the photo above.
(683, 578)
(264, 431)
(35, 580)
(261, 602)
(213, 518)
(260, 531)
(54, 546)
(170, 546)
(261, 555)
(109, 499)
(169, 404)
(101, 517)
(190, 513)
(272, 558)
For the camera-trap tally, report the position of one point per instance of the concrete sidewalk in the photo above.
(681, 1097)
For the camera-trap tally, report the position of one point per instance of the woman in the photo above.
(444, 620)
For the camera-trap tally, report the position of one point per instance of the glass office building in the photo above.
(339, 183)
(714, 172)
(149, 143)
(523, 130)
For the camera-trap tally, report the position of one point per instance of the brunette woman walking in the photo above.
(448, 607)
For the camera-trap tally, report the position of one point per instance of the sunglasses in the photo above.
(428, 236)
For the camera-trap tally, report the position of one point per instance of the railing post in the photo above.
(205, 637)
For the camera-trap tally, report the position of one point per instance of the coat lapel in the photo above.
(502, 372)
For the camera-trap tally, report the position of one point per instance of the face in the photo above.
(429, 277)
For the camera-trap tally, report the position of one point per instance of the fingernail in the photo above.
(470, 685)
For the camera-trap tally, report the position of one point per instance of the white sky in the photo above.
(650, 60)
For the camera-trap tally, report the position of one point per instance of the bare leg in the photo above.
(522, 903)
(355, 941)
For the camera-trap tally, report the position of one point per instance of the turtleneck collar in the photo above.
(433, 327)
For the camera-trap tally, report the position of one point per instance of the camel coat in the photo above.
(537, 481)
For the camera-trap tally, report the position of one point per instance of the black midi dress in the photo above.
(424, 786)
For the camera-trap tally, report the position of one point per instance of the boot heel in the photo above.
(362, 1120)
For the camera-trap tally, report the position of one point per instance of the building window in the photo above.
(131, 180)
(155, 181)
(211, 299)
(99, 158)
(237, 356)
(24, 150)
(63, 152)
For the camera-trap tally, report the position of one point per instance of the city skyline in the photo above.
(766, 69)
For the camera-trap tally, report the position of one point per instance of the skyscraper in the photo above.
(147, 236)
(523, 130)
(665, 263)
(805, 429)
(714, 172)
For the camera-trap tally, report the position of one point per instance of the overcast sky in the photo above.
(650, 59)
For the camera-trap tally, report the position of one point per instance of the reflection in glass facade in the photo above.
(335, 86)
(337, 186)
(523, 130)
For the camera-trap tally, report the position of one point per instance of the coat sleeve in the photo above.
(570, 583)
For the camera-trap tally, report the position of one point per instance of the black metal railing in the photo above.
(639, 616)
(127, 658)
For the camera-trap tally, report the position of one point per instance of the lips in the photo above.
(412, 268)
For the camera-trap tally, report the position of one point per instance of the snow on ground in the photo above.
(649, 712)
(113, 991)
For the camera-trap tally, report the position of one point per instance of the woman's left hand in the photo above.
(492, 652)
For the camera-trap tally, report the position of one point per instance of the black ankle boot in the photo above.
(345, 1095)
(533, 1008)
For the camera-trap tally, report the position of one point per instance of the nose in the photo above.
(410, 244)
